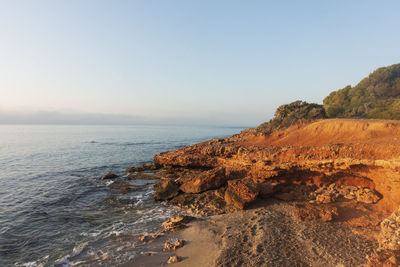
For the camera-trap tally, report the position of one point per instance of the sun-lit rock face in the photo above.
(360, 156)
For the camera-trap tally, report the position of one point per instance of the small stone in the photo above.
(109, 175)
(144, 238)
(173, 259)
(106, 257)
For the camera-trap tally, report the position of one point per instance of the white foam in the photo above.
(93, 234)
(64, 261)
(78, 249)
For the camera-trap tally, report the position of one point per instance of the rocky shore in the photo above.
(310, 195)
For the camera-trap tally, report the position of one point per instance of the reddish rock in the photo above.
(207, 180)
(325, 199)
(176, 222)
(240, 193)
(309, 212)
(147, 238)
(173, 245)
(367, 196)
(173, 259)
(144, 238)
(386, 258)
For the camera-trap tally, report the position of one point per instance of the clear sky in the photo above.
(210, 62)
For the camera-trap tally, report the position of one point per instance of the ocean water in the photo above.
(54, 208)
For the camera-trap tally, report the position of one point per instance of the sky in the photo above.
(225, 62)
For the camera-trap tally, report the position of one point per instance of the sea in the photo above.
(55, 210)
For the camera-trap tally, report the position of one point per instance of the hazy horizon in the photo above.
(178, 62)
(76, 118)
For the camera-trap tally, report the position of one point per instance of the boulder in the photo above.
(207, 180)
(309, 212)
(367, 196)
(240, 193)
(166, 190)
(109, 175)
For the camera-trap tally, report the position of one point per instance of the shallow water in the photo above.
(54, 208)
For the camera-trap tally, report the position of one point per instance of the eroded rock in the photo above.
(367, 196)
(206, 203)
(176, 222)
(240, 193)
(309, 212)
(333, 192)
(390, 232)
(384, 258)
(166, 190)
(207, 180)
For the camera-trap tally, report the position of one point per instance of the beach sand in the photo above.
(269, 235)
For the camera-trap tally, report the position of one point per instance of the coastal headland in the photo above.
(314, 193)
(316, 185)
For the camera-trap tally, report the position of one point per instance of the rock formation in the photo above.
(340, 170)
(341, 159)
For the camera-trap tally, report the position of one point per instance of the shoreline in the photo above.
(265, 234)
(311, 195)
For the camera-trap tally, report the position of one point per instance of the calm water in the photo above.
(54, 209)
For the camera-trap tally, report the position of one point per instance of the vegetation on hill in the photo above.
(375, 97)
(290, 114)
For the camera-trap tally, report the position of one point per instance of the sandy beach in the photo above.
(269, 235)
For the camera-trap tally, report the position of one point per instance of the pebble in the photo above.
(173, 259)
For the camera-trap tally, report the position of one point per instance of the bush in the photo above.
(374, 97)
(290, 114)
